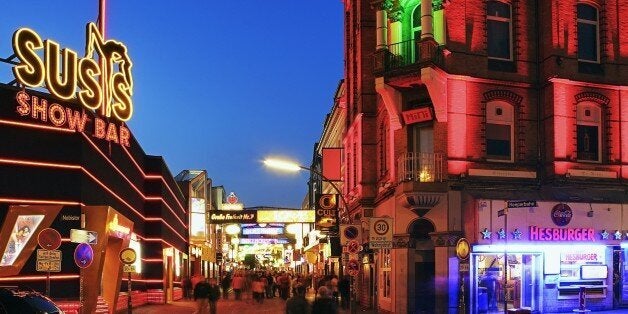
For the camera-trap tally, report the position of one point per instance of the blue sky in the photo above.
(219, 85)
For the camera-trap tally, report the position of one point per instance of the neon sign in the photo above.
(118, 230)
(104, 83)
(561, 234)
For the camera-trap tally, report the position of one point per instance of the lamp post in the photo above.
(294, 167)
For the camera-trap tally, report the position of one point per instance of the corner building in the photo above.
(456, 109)
(52, 175)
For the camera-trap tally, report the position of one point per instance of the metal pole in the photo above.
(48, 284)
(505, 259)
(129, 302)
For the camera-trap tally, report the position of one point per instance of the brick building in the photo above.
(455, 109)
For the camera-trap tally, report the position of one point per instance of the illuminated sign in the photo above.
(417, 115)
(22, 231)
(230, 217)
(59, 116)
(561, 214)
(249, 241)
(561, 234)
(118, 230)
(197, 219)
(267, 230)
(101, 79)
(285, 216)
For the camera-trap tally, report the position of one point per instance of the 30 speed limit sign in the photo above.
(380, 233)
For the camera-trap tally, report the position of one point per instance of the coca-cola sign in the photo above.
(561, 214)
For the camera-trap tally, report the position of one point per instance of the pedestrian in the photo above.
(201, 296)
(344, 287)
(334, 287)
(225, 284)
(213, 295)
(270, 282)
(298, 304)
(187, 287)
(324, 303)
(258, 288)
(284, 286)
(238, 284)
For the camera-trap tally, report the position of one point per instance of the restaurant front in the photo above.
(539, 257)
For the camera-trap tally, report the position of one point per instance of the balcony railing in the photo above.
(420, 167)
(406, 53)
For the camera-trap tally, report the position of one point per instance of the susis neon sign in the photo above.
(100, 86)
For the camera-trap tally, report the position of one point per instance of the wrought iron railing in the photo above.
(405, 53)
(420, 167)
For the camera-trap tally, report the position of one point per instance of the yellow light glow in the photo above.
(294, 228)
(282, 164)
(232, 229)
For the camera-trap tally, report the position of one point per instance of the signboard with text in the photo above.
(233, 216)
(417, 115)
(326, 212)
(380, 233)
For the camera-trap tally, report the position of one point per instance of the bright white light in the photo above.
(294, 228)
(282, 165)
(235, 241)
(232, 229)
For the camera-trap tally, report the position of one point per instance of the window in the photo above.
(589, 136)
(382, 147)
(499, 30)
(416, 23)
(386, 272)
(588, 35)
(499, 131)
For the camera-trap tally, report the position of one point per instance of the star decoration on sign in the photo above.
(502, 233)
(604, 235)
(618, 235)
(516, 234)
(486, 234)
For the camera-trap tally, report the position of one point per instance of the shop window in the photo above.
(499, 30)
(588, 129)
(499, 131)
(588, 33)
(386, 269)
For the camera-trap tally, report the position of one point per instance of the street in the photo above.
(231, 306)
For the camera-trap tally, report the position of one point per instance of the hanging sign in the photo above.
(326, 212)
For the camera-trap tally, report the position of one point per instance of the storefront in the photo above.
(70, 162)
(551, 249)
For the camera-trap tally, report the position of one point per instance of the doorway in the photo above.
(422, 296)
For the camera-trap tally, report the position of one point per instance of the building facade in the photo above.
(454, 109)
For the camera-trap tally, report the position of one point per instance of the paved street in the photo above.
(231, 306)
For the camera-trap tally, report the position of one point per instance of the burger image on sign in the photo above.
(561, 214)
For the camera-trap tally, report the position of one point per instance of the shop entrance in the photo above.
(523, 287)
(421, 270)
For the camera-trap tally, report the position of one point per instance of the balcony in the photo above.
(420, 167)
(405, 54)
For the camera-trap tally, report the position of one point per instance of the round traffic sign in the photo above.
(353, 247)
(83, 255)
(128, 256)
(353, 267)
(351, 232)
(381, 227)
(49, 239)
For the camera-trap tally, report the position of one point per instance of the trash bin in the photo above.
(482, 300)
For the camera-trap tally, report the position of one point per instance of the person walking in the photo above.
(258, 287)
(344, 287)
(324, 303)
(213, 295)
(298, 304)
(238, 284)
(201, 296)
(225, 284)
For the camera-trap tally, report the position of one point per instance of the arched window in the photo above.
(499, 30)
(588, 128)
(499, 131)
(588, 34)
(416, 23)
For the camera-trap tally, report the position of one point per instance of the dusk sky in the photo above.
(219, 85)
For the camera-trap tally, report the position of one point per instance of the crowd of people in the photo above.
(331, 292)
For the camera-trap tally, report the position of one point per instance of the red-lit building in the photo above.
(455, 108)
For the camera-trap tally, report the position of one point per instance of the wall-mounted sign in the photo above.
(521, 204)
(326, 211)
(233, 217)
(250, 241)
(118, 230)
(265, 230)
(232, 203)
(561, 234)
(101, 80)
(417, 115)
(463, 249)
(285, 216)
(561, 214)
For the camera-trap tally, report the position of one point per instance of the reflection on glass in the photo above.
(22, 231)
(197, 221)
